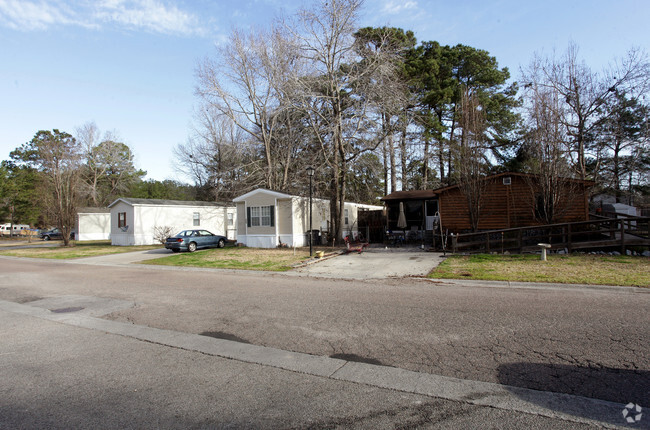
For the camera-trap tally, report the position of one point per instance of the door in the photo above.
(430, 211)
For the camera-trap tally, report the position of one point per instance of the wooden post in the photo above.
(569, 247)
(454, 242)
(487, 236)
(622, 237)
(520, 240)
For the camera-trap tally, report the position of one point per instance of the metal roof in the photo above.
(410, 195)
(162, 202)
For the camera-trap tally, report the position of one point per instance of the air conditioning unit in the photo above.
(507, 180)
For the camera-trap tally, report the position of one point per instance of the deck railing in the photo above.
(599, 232)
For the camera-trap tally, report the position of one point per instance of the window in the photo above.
(266, 215)
(121, 219)
(260, 216)
(197, 219)
(231, 220)
(347, 220)
(255, 217)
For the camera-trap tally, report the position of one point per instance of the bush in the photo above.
(161, 233)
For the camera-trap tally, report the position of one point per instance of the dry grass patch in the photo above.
(242, 258)
(76, 250)
(570, 269)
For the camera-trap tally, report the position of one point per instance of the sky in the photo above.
(129, 65)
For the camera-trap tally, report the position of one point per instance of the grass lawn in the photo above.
(277, 260)
(77, 250)
(569, 269)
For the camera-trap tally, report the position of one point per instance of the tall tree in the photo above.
(469, 154)
(545, 155)
(445, 73)
(166, 190)
(219, 158)
(583, 94)
(108, 170)
(57, 155)
(248, 83)
(620, 139)
(19, 190)
(395, 101)
(337, 92)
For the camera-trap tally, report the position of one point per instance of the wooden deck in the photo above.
(598, 233)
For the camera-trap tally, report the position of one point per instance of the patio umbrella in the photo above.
(401, 221)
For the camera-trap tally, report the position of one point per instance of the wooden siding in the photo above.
(505, 206)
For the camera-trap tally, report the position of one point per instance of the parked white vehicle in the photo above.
(5, 229)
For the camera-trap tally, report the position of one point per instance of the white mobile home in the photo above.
(135, 221)
(13, 230)
(93, 224)
(266, 219)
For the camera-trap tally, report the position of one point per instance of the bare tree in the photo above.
(547, 145)
(582, 94)
(220, 158)
(57, 156)
(337, 89)
(469, 154)
(108, 169)
(89, 136)
(247, 84)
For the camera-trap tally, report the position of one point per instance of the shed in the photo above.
(93, 224)
(135, 221)
(268, 218)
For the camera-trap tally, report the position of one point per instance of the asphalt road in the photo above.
(586, 342)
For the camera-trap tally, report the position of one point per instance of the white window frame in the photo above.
(255, 216)
(196, 219)
(261, 216)
(121, 219)
(231, 219)
(346, 214)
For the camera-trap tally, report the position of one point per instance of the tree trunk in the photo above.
(404, 160)
(425, 165)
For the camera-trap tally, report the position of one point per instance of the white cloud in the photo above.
(33, 15)
(397, 6)
(149, 15)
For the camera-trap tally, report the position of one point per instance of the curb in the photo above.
(537, 285)
(566, 407)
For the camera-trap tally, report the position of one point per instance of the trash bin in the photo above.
(315, 238)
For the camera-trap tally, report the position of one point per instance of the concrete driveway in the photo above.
(375, 263)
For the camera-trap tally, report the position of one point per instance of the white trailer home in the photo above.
(13, 230)
(266, 219)
(93, 224)
(135, 221)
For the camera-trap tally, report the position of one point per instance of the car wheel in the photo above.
(46, 237)
(191, 247)
(221, 243)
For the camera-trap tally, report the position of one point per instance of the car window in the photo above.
(205, 233)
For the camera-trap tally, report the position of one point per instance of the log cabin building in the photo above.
(508, 200)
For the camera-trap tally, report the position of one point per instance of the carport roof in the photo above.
(410, 195)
